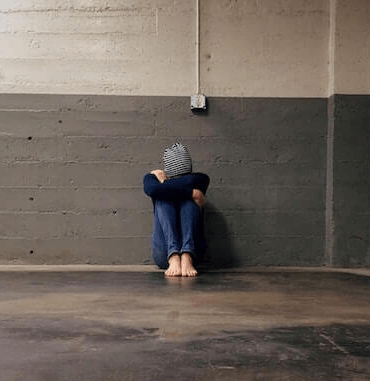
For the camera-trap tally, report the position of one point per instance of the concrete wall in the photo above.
(91, 92)
(348, 209)
(72, 167)
(147, 47)
(351, 173)
(352, 54)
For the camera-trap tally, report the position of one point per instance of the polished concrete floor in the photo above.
(136, 325)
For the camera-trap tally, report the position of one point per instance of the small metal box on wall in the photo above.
(198, 102)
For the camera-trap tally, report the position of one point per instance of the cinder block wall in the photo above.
(92, 92)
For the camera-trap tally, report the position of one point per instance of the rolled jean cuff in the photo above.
(191, 252)
(172, 253)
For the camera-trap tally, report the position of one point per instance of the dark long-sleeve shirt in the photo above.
(179, 188)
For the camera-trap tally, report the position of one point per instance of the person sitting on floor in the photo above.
(178, 197)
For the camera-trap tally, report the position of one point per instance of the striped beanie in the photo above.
(177, 160)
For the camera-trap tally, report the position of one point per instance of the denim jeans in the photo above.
(178, 228)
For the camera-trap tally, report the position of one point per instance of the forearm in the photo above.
(172, 189)
(179, 188)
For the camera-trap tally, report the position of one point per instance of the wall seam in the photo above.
(329, 207)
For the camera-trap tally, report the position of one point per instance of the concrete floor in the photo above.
(282, 324)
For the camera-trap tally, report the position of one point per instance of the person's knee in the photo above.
(165, 208)
(164, 204)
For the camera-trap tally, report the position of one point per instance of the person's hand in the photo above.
(160, 174)
(199, 197)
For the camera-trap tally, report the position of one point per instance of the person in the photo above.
(178, 197)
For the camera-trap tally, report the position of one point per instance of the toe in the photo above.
(190, 272)
(172, 272)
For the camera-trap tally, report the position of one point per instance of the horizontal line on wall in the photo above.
(161, 136)
(256, 98)
(246, 187)
(252, 212)
(98, 10)
(123, 237)
(61, 136)
(184, 96)
(264, 211)
(283, 11)
(62, 212)
(71, 162)
(267, 236)
(241, 237)
(91, 33)
(248, 139)
(131, 212)
(77, 60)
(29, 110)
(133, 163)
(133, 187)
(76, 188)
(348, 161)
(28, 162)
(71, 238)
(209, 212)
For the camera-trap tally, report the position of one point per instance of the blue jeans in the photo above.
(178, 228)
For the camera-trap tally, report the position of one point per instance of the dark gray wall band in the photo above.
(351, 174)
(71, 169)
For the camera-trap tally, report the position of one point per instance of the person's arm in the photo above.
(200, 185)
(201, 182)
(171, 189)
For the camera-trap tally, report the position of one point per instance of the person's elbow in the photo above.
(148, 191)
(207, 181)
(204, 183)
(148, 186)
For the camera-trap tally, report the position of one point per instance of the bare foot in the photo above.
(174, 268)
(187, 268)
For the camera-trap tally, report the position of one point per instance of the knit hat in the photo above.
(177, 160)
